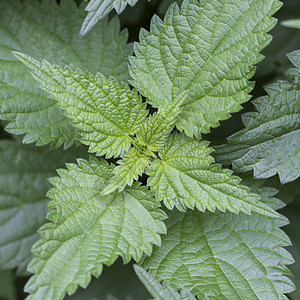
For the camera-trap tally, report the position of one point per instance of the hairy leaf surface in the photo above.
(225, 255)
(24, 171)
(99, 9)
(88, 230)
(185, 176)
(292, 211)
(161, 291)
(131, 166)
(105, 112)
(48, 31)
(270, 142)
(154, 133)
(208, 48)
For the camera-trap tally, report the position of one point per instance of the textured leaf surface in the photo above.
(88, 230)
(207, 48)
(131, 166)
(224, 255)
(153, 135)
(186, 176)
(99, 9)
(46, 30)
(292, 211)
(105, 112)
(161, 291)
(270, 142)
(24, 171)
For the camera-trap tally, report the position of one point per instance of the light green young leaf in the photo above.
(131, 166)
(208, 48)
(24, 170)
(225, 255)
(49, 31)
(105, 112)
(99, 9)
(294, 23)
(270, 141)
(153, 134)
(159, 291)
(88, 230)
(186, 176)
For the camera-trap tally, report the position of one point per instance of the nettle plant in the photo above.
(151, 190)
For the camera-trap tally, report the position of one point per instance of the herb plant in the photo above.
(152, 190)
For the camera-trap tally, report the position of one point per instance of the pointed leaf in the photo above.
(105, 112)
(185, 176)
(270, 141)
(131, 166)
(224, 255)
(159, 291)
(46, 30)
(99, 9)
(153, 134)
(88, 230)
(208, 48)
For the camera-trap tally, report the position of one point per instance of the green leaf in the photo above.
(208, 48)
(185, 176)
(293, 213)
(7, 286)
(105, 112)
(88, 230)
(24, 170)
(131, 166)
(159, 291)
(99, 9)
(224, 255)
(294, 23)
(48, 31)
(270, 141)
(154, 133)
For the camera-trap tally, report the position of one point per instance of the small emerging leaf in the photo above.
(153, 134)
(132, 165)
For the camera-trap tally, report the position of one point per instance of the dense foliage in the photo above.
(124, 144)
